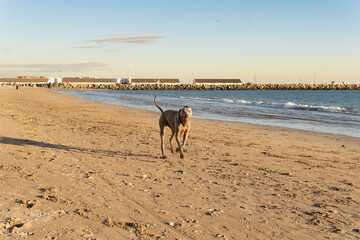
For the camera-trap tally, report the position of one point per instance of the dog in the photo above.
(178, 122)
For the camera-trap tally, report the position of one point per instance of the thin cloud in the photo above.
(136, 39)
(86, 47)
(40, 67)
(115, 35)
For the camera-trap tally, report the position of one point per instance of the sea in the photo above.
(335, 112)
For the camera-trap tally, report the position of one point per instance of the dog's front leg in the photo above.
(177, 140)
(186, 134)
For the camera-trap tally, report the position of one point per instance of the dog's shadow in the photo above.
(27, 142)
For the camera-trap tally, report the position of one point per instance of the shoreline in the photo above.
(265, 122)
(73, 168)
(211, 119)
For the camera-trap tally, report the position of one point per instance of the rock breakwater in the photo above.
(248, 86)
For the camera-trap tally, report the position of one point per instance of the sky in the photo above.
(282, 41)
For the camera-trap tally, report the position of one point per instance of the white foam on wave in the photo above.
(240, 101)
(227, 100)
(313, 107)
(289, 105)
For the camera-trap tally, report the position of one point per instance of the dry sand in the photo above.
(75, 169)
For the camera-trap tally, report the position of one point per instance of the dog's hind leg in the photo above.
(171, 138)
(162, 136)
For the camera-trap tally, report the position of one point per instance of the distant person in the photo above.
(17, 87)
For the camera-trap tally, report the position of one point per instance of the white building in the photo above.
(217, 81)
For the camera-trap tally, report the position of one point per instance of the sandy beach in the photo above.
(76, 169)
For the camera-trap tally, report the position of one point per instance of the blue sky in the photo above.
(283, 41)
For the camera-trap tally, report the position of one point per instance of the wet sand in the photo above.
(75, 169)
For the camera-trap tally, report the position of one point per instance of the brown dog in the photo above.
(178, 122)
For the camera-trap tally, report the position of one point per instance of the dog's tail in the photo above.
(158, 105)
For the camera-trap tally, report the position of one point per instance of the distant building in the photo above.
(88, 80)
(217, 81)
(125, 80)
(169, 81)
(154, 81)
(32, 77)
(25, 79)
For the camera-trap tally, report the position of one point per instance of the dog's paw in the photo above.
(164, 157)
(182, 156)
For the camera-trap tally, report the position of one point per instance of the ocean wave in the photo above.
(287, 105)
(314, 107)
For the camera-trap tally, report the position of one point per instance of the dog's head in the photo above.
(185, 113)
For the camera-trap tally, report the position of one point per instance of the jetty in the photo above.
(160, 86)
